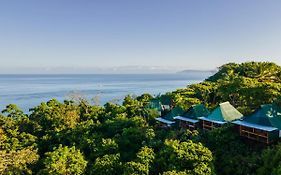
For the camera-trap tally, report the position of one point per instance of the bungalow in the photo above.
(168, 119)
(156, 105)
(224, 113)
(162, 104)
(263, 125)
(190, 119)
(166, 102)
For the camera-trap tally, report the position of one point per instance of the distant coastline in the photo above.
(101, 70)
(192, 71)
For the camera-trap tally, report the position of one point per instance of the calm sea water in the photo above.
(28, 91)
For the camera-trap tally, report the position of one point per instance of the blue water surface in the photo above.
(28, 91)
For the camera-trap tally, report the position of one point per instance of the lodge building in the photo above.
(223, 114)
(167, 120)
(263, 125)
(190, 119)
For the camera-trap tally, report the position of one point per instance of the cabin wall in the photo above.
(274, 136)
(189, 125)
(163, 125)
(258, 134)
(208, 125)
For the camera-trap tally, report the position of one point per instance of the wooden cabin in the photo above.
(167, 120)
(155, 104)
(164, 123)
(166, 102)
(210, 124)
(258, 133)
(162, 104)
(190, 119)
(188, 123)
(223, 114)
(263, 125)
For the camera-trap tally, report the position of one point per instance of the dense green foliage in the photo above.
(246, 86)
(64, 160)
(75, 137)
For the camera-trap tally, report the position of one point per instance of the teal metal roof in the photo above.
(196, 111)
(177, 111)
(253, 125)
(225, 112)
(186, 119)
(162, 120)
(166, 100)
(214, 121)
(266, 115)
(155, 104)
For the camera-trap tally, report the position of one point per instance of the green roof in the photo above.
(225, 112)
(196, 111)
(266, 115)
(173, 113)
(155, 104)
(166, 100)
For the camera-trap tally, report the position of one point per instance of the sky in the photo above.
(115, 35)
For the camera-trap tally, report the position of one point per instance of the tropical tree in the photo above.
(108, 164)
(142, 164)
(271, 161)
(17, 162)
(187, 156)
(64, 160)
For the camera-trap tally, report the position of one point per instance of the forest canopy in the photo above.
(76, 137)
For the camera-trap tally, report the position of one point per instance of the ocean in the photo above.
(28, 91)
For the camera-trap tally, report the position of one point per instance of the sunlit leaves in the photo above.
(17, 162)
(64, 160)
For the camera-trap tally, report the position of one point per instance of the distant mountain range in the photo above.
(104, 70)
(197, 74)
(190, 71)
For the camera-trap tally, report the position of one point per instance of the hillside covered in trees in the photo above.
(76, 137)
